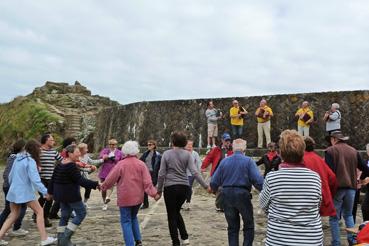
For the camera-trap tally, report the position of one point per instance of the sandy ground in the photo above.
(205, 226)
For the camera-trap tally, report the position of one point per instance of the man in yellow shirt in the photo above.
(237, 114)
(305, 117)
(263, 114)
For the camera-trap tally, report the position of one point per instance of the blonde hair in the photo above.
(81, 146)
(292, 146)
(113, 141)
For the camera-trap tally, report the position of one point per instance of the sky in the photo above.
(139, 50)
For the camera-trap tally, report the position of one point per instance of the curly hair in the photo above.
(292, 146)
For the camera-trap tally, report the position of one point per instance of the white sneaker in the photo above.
(186, 242)
(105, 207)
(3, 242)
(86, 205)
(48, 241)
(208, 146)
(19, 232)
(214, 146)
(73, 214)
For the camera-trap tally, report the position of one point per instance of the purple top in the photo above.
(108, 164)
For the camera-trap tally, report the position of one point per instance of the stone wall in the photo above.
(145, 120)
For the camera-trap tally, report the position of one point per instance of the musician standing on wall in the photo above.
(333, 118)
(305, 118)
(212, 115)
(237, 114)
(263, 115)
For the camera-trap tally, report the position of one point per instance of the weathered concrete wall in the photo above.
(145, 120)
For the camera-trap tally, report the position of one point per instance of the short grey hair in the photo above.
(130, 148)
(239, 144)
(335, 105)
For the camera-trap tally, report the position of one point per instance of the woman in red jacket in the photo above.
(329, 184)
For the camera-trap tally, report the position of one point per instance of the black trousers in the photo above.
(365, 205)
(146, 197)
(174, 197)
(50, 209)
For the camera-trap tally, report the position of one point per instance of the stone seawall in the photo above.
(156, 120)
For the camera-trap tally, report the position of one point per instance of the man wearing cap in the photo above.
(343, 160)
(214, 157)
(237, 174)
(263, 114)
(333, 118)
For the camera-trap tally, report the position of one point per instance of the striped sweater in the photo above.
(48, 159)
(291, 198)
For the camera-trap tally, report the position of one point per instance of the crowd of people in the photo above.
(298, 186)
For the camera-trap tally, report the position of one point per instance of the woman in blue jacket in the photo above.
(23, 177)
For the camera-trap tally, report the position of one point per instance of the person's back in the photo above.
(344, 161)
(239, 170)
(295, 195)
(328, 179)
(177, 162)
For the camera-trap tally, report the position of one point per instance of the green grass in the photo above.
(24, 118)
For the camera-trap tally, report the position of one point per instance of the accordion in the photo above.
(261, 114)
(306, 117)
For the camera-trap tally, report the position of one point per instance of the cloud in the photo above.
(143, 50)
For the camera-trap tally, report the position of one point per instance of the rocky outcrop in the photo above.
(63, 109)
(145, 120)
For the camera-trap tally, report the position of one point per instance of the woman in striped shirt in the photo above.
(291, 198)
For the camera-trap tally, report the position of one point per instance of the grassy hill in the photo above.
(26, 118)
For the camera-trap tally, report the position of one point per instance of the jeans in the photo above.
(365, 205)
(129, 223)
(236, 131)
(4, 215)
(237, 201)
(343, 202)
(191, 179)
(66, 211)
(174, 197)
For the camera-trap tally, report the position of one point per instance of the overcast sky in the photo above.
(152, 50)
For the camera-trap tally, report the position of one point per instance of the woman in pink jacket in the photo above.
(133, 179)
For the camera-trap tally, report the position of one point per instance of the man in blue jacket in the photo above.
(236, 174)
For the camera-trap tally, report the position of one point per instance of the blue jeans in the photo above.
(343, 202)
(66, 211)
(236, 131)
(129, 223)
(4, 215)
(237, 201)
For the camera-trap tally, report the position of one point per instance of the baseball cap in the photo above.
(226, 136)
